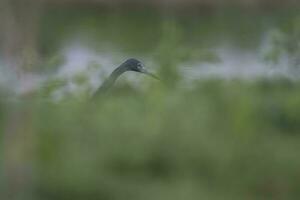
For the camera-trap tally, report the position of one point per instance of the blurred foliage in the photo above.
(172, 51)
(286, 43)
(50, 86)
(168, 54)
(141, 30)
(219, 140)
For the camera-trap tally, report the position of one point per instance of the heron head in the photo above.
(137, 66)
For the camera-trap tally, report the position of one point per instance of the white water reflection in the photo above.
(237, 63)
(234, 63)
(19, 84)
(96, 66)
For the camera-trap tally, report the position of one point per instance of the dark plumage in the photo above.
(129, 65)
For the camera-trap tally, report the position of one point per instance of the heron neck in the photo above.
(116, 73)
(108, 83)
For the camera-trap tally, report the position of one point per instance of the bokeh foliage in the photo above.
(285, 43)
(219, 140)
(216, 139)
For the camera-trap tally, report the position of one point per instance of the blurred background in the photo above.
(224, 122)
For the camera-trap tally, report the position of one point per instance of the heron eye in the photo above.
(139, 66)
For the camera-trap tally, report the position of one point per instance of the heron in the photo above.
(131, 64)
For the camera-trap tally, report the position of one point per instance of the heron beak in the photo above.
(144, 71)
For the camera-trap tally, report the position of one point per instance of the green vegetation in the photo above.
(220, 140)
(285, 44)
